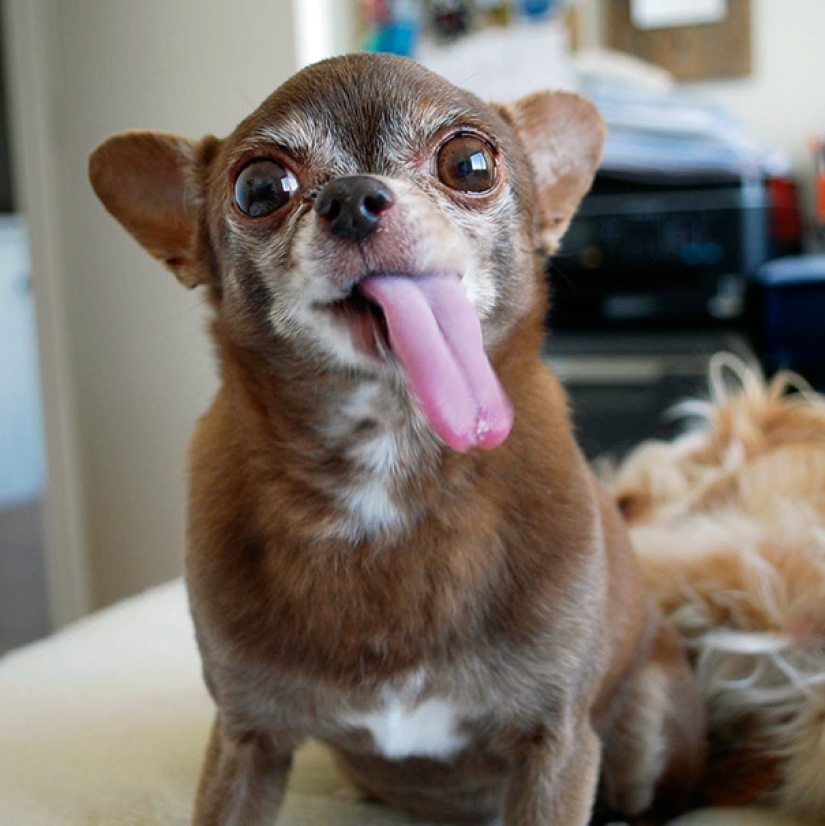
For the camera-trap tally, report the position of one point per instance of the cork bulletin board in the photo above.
(699, 52)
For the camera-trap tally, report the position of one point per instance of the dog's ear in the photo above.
(151, 182)
(564, 138)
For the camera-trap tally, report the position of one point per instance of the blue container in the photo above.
(792, 310)
(539, 8)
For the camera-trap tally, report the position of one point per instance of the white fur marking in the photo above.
(368, 498)
(371, 506)
(427, 730)
(362, 404)
(379, 456)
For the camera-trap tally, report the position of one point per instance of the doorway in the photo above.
(24, 608)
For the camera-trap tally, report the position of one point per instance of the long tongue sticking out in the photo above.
(436, 335)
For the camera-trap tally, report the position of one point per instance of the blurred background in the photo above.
(704, 231)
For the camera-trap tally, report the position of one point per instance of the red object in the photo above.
(785, 217)
(376, 12)
(820, 192)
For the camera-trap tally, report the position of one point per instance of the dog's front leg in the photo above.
(554, 778)
(243, 777)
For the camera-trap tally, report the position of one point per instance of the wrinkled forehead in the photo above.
(362, 112)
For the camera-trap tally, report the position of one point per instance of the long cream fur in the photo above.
(729, 522)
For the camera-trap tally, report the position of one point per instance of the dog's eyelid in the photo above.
(265, 145)
(457, 127)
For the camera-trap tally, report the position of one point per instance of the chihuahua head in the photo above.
(370, 219)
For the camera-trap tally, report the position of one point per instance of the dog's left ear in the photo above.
(564, 138)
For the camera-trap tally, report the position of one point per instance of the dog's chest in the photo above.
(405, 725)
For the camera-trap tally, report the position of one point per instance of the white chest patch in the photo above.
(371, 509)
(367, 500)
(427, 730)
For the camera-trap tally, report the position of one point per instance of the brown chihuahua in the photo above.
(395, 545)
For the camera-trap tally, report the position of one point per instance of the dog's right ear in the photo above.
(151, 183)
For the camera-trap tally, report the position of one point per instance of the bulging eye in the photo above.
(467, 164)
(264, 186)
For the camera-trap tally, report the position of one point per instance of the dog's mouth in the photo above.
(365, 320)
(429, 325)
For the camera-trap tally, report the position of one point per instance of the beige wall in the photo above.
(783, 100)
(135, 364)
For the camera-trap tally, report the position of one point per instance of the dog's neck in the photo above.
(354, 439)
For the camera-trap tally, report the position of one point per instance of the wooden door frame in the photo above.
(29, 46)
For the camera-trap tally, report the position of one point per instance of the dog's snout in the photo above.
(352, 206)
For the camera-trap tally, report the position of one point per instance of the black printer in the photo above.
(652, 250)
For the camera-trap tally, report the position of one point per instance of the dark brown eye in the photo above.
(263, 186)
(467, 164)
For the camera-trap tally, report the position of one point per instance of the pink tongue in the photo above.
(436, 335)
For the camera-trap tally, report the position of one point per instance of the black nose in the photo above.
(352, 206)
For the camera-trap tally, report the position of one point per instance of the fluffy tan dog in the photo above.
(729, 522)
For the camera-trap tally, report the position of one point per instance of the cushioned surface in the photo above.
(105, 723)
